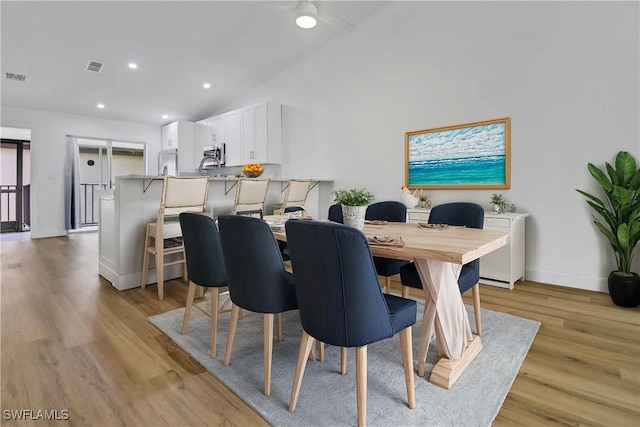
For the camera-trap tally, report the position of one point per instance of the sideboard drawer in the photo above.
(497, 222)
(418, 216)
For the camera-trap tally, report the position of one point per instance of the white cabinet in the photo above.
(252, 134)
(188, 138)
(502, 267)
(170, 136)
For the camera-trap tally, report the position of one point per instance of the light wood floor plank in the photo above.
(71, 341)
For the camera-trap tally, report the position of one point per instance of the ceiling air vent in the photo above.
(95, 66)
(17, 77)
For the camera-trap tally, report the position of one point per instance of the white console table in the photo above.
(504, 266)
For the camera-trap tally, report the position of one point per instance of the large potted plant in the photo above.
(354, 205)
(620, 222)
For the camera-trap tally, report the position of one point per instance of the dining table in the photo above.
(438, 251)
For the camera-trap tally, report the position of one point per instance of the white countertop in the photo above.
(223, 178)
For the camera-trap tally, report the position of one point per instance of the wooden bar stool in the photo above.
(296, 194)
(251, 195)
(164, 237)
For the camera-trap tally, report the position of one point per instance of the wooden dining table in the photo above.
(439, 253)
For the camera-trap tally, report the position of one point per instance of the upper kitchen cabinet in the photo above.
(252, 134)
(189, 139)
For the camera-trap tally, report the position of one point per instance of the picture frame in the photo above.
(467, 156)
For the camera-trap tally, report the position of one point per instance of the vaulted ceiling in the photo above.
(177, 46)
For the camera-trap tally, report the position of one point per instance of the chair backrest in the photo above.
(335, 213)
(205, 262)
(391, 211)
(460, 213)
(251, 194)
(339, 297)
(184, 194)
(296, 194)
(257, 279)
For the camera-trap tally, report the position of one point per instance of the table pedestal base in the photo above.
(446, 372)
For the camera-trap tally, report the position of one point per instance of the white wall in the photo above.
(48, 151)
(566, 73)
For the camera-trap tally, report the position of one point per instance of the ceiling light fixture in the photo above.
(164, 116)
(206, 85)
(133, 65)
(306, 15)
(100, 106)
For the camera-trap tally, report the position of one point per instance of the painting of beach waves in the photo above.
(474, 155)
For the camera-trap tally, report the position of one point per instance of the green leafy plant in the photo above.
(497, 199)
(353, 197)
(620, 210)
(423, 197)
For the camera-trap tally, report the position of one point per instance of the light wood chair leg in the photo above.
(387, 285)
(279, 326)
(235, 311)
(187, 308)
(306, 344)
(160, 273)
(215, 294)
(343, 360)
(476, 308)
(321, 351)
(185, 273)
(268, 351)
(145, 260)
(361, 384)
(405, 291)
(407, 363)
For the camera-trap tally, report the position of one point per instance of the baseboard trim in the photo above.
(577, 281)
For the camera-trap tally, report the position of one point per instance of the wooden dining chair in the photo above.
(164, 236)
(341, 304)
(251, 195)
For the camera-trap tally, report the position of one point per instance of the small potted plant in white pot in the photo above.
(424, 200)
(354, 205)
(497, 200)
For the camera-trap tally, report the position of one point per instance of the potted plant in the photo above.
(354, 205)
(424, 200)
(497, 200)
(619, 222)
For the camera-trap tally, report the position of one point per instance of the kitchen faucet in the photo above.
(210, 157)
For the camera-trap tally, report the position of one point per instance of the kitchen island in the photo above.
(135, 201)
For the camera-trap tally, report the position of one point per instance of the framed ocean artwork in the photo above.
(471, 155)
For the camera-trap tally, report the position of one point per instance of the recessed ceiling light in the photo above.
(100, 105)
(307, 14)
(164, 116)
(206, 85)
(133, 65)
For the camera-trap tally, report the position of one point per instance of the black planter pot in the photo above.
(624, 290)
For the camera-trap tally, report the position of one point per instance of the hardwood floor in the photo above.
(70, 341)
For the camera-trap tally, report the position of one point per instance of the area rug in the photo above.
(329, 399)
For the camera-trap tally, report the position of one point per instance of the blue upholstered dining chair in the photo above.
(340, 301)
(456, 213)
(391, 211)
(284, 249)
(335, 213)
(205, 266)
(257, 279)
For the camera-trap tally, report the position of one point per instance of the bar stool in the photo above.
(164, 237)
(251, 196)
(296, 195)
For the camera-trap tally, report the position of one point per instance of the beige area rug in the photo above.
(329, 399)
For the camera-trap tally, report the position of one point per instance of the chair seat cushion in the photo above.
(468, 277)
(388, 266)
(402, 312)
(170, 229)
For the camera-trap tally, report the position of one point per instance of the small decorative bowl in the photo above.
(253, 174)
